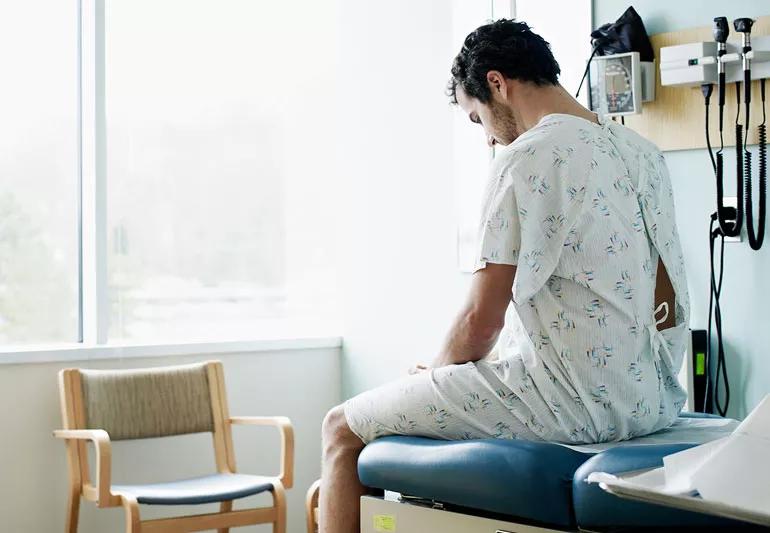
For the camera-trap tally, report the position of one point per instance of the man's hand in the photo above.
(475, 331)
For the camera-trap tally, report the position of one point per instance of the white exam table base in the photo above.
(411, 518)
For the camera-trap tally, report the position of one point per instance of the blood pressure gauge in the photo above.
(616, 84)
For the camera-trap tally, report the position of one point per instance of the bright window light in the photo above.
(38, 172)
(219, 189)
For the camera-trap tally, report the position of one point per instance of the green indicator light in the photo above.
(700, 364)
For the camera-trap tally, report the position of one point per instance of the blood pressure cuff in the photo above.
(627, 34)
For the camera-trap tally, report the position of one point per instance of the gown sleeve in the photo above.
(530, 210)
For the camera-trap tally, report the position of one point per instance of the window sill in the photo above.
(80, 352)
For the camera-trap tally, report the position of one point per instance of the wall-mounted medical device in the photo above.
(619, 83)
(719, 63)
(621, 69)
(696, 63)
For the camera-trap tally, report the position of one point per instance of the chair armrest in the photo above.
(101, 440)
(311, 505)
(287, 441)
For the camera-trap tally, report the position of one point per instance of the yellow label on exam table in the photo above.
(384, 523)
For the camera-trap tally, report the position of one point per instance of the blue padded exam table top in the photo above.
(526, 479)
(535, 482)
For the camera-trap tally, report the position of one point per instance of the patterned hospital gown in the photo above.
(584, 211)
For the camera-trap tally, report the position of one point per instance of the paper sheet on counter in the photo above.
(733, 470)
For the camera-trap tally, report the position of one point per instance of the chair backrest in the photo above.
(146, 402)
(149, 402)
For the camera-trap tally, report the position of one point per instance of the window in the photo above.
(215, 147)
(206, 211)
(38, 172)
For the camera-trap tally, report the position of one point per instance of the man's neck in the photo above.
(542, 101)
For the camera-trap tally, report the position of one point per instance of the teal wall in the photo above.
(746, 289)
(671, 15)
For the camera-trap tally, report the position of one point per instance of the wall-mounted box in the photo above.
(696, 63)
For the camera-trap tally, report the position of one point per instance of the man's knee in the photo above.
(337, 435)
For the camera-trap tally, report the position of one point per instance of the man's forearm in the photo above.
(469, 339)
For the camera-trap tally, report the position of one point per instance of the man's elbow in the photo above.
(482, 330)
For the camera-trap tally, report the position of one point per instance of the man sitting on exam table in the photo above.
(578, 235)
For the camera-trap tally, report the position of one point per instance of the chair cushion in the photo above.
(206, 489)
(528, 480)
(595, 508)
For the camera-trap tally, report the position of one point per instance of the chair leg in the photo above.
(311, 506)
(279, 501)
(73, 510)
(225, 507)
(133, 522)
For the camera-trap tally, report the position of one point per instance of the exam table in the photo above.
(501, 486)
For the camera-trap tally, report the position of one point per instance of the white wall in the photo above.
(301, 384)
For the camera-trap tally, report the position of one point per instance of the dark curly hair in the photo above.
(507, 46)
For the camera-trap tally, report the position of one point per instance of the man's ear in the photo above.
(497, 83)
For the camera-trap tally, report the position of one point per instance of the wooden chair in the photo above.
(311, 506)
(101, 406)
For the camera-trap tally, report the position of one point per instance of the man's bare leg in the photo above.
(340, 489)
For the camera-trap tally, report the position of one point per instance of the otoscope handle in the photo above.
(721, 31)
(722, 91)
(747, 86)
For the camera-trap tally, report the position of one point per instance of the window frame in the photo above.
(93, 304)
